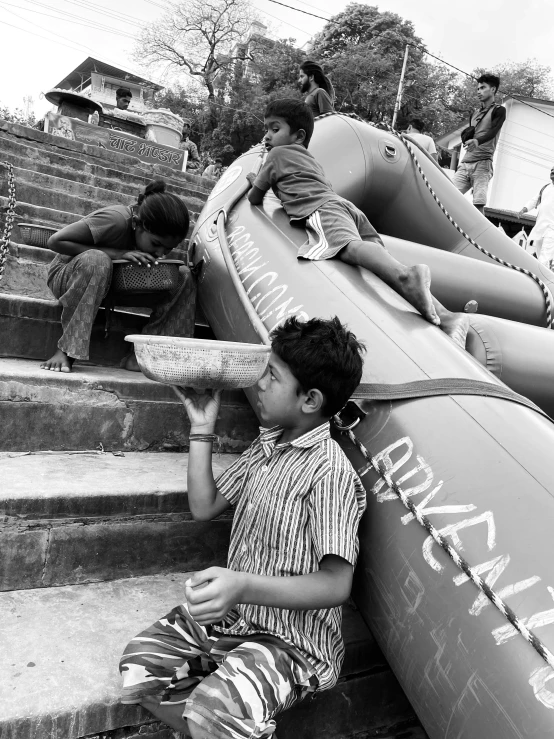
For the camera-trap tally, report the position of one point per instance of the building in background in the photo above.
(522, 161)
(99, 81)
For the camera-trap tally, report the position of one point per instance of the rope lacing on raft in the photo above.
(458, 560)
(544, 289)
(10, 215)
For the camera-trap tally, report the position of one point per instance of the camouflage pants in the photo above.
(81, 283)
(231, 686)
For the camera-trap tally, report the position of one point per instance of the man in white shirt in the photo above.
(541, 238)
(415, 132)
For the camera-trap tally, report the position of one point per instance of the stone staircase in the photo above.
(96, 537)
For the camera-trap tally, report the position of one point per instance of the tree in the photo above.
(202, 37)
(17, 116)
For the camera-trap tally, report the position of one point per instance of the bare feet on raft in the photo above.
(60, 362)
(415, 287)
(455, 325)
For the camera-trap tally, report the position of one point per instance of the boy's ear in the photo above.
(300, 136)
(314, 401)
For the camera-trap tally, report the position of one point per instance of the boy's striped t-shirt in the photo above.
(294, 503)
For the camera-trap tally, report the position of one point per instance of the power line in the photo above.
(417, 46)
(26, 30)
(90, 24)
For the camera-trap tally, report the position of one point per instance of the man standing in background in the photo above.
(193, 161)
(415, 132)
(123, 98)
(480, 139)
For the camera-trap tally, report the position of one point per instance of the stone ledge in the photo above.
(67, 641)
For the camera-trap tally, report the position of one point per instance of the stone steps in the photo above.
(41, 144)
(61, 648)
(76, 197)
(30, 328)
(106, 406)
(55, 217)
(48, 161)
(71, 518)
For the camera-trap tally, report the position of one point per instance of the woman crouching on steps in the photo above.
(81, 274)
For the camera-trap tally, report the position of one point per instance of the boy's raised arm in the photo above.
(205, 500)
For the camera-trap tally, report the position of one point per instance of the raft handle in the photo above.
(390, 151)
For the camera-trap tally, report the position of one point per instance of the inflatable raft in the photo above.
(479, 468)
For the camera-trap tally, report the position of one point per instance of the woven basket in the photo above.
(130, 278)
(35, 235)
(198, 363)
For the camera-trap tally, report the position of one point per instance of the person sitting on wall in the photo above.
(415, 132)
(213, 170)
(80, 275)
(123, 98)
(320, 93)
(193, 161)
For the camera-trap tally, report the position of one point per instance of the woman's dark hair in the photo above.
(315, 70)
(321, 354)
(295, 113)
(161, 212)
(490, 79)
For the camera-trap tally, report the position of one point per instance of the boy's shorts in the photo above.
(232, 686)
(333, 227)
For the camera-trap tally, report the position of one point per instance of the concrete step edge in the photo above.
(68, 640)
(107, 175)
(93, 153)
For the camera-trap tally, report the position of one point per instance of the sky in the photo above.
(43, 40)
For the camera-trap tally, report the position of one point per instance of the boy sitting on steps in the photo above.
(336, 228)
(251, 640)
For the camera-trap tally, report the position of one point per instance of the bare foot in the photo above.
(415, 287)
(129, 362)
(456, 325)
(60, 362)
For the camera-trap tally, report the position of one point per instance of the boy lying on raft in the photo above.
(336, 228)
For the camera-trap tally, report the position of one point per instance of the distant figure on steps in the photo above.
(81, 274)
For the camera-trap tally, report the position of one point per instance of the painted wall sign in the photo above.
(105, 138)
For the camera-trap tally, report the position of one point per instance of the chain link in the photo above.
(10, 216)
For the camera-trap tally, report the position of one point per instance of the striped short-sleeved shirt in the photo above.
(294, 503)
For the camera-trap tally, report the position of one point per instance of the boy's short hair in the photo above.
(417, 123)
(123, 92)
(321, 354)
(492, 80)
(296, 113)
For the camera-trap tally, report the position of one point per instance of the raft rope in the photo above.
(458, 560)
(417, 389)
(544, 289)
(10, 216)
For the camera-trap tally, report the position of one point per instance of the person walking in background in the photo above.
(193, 161)
(320, 95)
(541, 238)
(415, 132)
(480, 139)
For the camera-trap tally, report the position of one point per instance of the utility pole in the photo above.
(400, 87)
(28, 100)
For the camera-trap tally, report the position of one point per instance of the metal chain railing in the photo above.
(10, 216)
